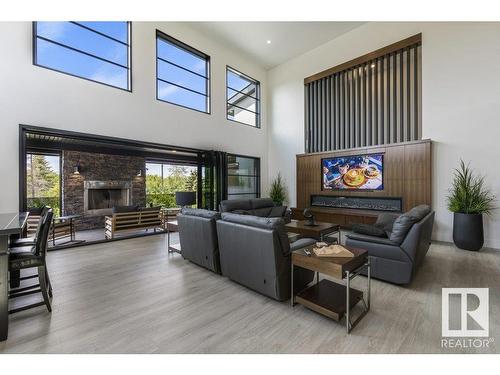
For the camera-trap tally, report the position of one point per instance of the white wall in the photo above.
(460, 103)
(36, 96)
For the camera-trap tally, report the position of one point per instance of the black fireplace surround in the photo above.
(392, 204)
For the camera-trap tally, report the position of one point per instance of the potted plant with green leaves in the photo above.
(469, 200)
(278, 191)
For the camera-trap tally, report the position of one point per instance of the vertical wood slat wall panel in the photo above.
(374, 103)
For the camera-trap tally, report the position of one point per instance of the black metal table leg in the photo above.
(4, 289)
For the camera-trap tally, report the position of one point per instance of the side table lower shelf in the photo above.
(175, 248)
(328, 298)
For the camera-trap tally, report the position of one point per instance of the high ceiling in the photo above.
(287, 39)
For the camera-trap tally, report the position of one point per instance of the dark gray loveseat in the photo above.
(255, 252)
(396, 257)
(198, 237)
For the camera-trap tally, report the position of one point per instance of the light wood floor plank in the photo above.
(132, 296)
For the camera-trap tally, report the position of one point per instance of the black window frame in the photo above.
(257, 176)
(257, 97)
(181, 45)
(35, 38)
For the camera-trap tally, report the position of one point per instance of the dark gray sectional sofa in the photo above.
(396, 256)
(251, 250)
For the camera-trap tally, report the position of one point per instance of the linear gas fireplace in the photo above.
(101, 196)
(360, 203)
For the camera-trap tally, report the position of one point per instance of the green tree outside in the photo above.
(161, 192)
(42, 183)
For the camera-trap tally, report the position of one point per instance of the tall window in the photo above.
(243, 177)
(182, 74)
(163, 180)
(243, 98)
(97, 51)
(43, 181)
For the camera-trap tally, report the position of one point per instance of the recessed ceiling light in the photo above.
(268, 41)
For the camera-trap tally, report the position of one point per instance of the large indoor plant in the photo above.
(278, 191)
(469, 199)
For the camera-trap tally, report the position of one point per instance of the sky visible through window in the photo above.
(182, 76)
(242, 98)
(51, 53)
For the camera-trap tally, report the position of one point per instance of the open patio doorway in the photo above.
(104, 188)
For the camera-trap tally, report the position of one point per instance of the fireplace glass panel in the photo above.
(106, 198)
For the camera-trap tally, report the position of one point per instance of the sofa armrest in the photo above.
(373, 239)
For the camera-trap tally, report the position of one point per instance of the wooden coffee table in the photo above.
(333, 299)
(318, 231)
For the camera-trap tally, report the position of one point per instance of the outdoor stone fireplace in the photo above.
(104, 181)
(101, 196)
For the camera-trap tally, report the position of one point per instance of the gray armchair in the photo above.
(198, 237)
(255, 252)
(396, 258)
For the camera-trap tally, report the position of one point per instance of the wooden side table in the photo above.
(333, 299)
(319, 231)
(170, 224)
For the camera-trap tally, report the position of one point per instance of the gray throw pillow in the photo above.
(370, 230)
(278, 211)
(261, 212)
(123, 209)
(241, 212)
(385, 221)
(146, 209)
(401, 227)
(419, 212)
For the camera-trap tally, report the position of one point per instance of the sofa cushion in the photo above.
(235, 204)
(277, 211)
(371, 239)
(261, 203)
(377, 247)
(385, 221)
(207, 214)
(370, 230)
(401, 227)
(122, 209)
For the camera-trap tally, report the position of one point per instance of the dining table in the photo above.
(10, 224)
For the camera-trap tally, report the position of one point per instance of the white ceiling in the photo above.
(288, 39)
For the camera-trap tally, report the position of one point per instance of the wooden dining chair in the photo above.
(28, 257)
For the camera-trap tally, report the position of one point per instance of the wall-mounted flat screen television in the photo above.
(359, 172)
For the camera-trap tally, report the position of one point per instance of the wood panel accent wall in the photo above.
(369, 101)
(407, 174)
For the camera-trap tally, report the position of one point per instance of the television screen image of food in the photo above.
(362, 172)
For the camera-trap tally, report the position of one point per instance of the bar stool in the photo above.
(21, 258)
